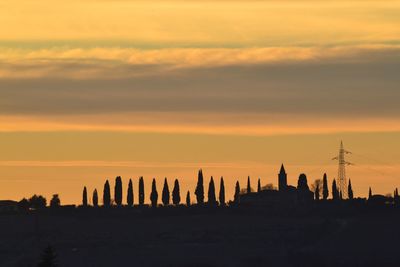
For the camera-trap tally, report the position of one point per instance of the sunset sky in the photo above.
(92, 89)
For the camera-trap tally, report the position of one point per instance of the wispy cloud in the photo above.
(116, 63)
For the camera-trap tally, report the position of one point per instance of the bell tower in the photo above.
(282, 179)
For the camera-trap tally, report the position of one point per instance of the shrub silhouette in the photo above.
(350, 190)
(211, 193)
(222, 192)
(248, 185)
(118, 191)
(129, 194)
(106, 195)
(199, 192)
(48, 258)
(95, 198)
(37, 202)
(176, 195)
(154, 194)
(55, 201)
(141, 191)
(236, 197)
(84, 197)
(325, 191)
(24, 204)
(165, 193)
(188, 199)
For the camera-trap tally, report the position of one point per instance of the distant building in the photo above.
(286, 195)
(282, 179)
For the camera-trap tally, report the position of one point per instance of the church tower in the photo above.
(282, 179)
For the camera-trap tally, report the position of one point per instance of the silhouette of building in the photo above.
(285, 197)
(282, 179)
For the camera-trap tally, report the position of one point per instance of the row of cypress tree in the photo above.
(165, 197)
(336, 195)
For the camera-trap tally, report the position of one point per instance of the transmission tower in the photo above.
(341, 180)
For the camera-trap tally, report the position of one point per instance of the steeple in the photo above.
(282, 179)
(282, 169)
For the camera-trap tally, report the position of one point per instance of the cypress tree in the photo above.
(335, 192)
(258, 186)
(165, 193)
(188, 199)
(396, 197)
(118, 191)
(154, 194)
(236, 197)
(317, 192)
(106, 195)
(176, 195)
(248, 185)
(350, 190)
(222, 192)
(199, 192)
(129, 195)
(325, 191)
(370, 193)
(84, 197)
(211, 193)
(95, 198)
(141, 191)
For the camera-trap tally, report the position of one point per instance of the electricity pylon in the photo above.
(341, 180)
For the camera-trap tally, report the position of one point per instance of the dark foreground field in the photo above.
(228, 237)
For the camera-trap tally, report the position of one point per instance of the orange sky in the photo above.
(93, 89)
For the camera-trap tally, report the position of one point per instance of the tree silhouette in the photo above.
(95, 198)
(24, 204)
(176, 195)
(302, 182)
(258, 186)
(199, 192)
(48, 258)
(211, 193)
(106, 195)
(37, 202)
(350, 190)
(188, 199)
(118, 191)
(154, 194)
(317, 192)
(396, 197)
(248, 185)
(129, 194)
(165, 193)
(55, 201)
(370, 193)
(222, 192)
(325, 191)
(236, 197)
(335, 192)
(141, 191)
(84, 197)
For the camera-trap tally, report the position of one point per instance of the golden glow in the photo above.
(92, 89)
